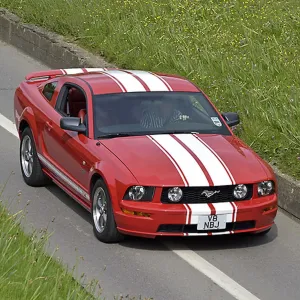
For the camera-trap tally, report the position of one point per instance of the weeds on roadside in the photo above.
(27, 272)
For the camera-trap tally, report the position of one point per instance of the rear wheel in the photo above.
(31, 168)
(104, 225)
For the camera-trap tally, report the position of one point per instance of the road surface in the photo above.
(169, 269)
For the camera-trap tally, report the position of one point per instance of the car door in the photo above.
(66, 152)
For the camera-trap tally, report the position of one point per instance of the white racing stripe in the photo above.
(160, 78)
(116, 81)
(235, 211)
(95, 69)
(197, 210)
(152, 81)
(222, 162)
(130, 83)
(73, 71)
(224, 208)
(188, 165)
(186, 254)
(212, 164)
(171, 159)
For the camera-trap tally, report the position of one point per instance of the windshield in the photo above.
(142, 113)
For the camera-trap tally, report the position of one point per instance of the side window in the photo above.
(49, 89)
(73, 103)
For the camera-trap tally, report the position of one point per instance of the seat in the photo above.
(77, 101)
(82, 115)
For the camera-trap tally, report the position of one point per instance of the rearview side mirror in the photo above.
(72, 124)
(231, 118)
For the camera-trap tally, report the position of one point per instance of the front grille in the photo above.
(192, 228)
(194, 194)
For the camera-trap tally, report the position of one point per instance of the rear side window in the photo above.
(49, 89)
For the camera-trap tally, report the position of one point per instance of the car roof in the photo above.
(113, 80)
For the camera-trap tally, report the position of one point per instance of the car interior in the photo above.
(75, 104)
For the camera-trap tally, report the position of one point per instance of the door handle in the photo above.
(49, 125)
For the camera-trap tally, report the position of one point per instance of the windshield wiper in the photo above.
(113, 135)
(175, 132)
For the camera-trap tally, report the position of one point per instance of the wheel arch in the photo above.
(27, 120)
(24, 123)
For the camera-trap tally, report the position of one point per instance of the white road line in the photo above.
(216, 275)
(188, 255)
(8, 125)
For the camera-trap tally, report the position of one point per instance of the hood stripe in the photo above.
(153, 82)
(171, 159)
(189, 166)
(218, 157)
(130, 83)
(179, 140)
(212, 164)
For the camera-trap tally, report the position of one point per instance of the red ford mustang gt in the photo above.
(147, 154)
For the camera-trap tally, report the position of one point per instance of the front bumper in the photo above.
(253, 215)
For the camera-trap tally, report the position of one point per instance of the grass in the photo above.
(26, 272)
(243, 53)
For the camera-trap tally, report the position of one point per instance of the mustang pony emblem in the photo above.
(209, 193)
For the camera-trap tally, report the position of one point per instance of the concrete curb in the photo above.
(51, 49)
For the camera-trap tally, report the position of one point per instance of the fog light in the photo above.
(240, 191)
(175, 194)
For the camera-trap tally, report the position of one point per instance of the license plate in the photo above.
(211, 222)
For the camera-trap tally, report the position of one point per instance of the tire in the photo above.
(109, 232)
(34, 175)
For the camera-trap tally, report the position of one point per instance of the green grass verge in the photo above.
(243, 53)
(26, 272)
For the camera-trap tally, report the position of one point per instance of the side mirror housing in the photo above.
(231, 118)
(72, 124)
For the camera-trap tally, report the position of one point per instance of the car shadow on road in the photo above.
(203, 243)
(70, 202)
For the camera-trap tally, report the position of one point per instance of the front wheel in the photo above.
(104, 225)
(31, 168)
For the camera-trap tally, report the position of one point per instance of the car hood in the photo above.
(190, 159)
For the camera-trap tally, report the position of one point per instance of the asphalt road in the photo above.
(172, 269)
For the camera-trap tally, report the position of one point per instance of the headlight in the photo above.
(136, 192)
(240, 191)
(139, 193)
(175, 194)
(265, 188)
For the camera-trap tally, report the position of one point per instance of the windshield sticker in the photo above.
(216, 121)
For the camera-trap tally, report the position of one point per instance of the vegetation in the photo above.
(26, 272)
(243, 53)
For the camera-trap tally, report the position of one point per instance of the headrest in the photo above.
(76, 95)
